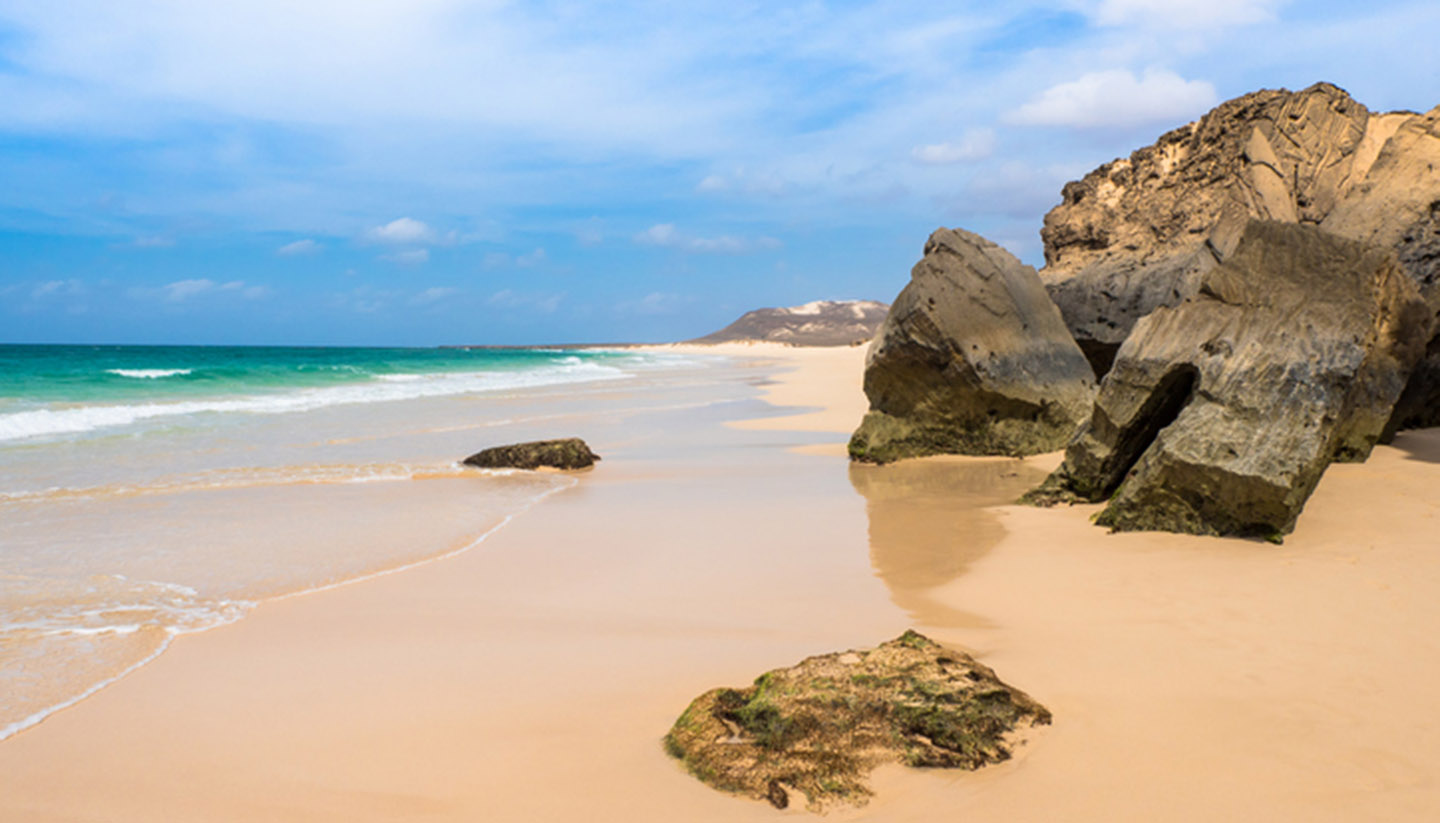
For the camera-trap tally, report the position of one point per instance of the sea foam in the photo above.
(78, 419)
(149, 374)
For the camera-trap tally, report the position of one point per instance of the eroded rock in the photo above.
(820, 727)
(569, 453)
(972, 359)
(1140, 232)
(1220, 414)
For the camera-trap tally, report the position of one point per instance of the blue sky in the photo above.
(433, 171)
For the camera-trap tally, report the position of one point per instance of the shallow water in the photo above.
(130, 515)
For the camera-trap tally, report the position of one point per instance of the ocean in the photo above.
(150, 492)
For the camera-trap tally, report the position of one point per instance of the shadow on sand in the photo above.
(1419, 444)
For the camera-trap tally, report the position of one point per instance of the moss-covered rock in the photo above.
(820, 727)
(569, 453)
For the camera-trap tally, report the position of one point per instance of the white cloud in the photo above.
(299, 247)
(1117, 99)
(413, 257)
(57, 288)
(433, 294)
(183, 290)
(534, 258)
(974, 144)
(590, 233)
(666, 235)
(1209, 14)
(713, 182)
(154, 242)
(510, 299)
(767, 183)
(402, 231)
(654, 303)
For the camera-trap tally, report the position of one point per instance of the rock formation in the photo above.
(821, 323)
(1221, 413)
(569, 453)
(820, 727)
(972, 359)
(1140, 232)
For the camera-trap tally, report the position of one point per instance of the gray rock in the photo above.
(569, 453)
(1220, 414)
(972, 359)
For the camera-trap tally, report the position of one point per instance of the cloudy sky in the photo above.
(413, 172)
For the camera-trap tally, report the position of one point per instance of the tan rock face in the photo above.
(821, 323)
(1140, 232)
(972, 359)
(1220, 414)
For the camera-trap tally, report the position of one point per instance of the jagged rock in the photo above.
(569, 453)
(972, 359)
(1140, 232)
(1220, 414)
(821, 323)
(820, 727)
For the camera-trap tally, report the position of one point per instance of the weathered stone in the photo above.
(1141, 232)
(972, 359)
(569, 453)
(821, 323)
(1220, 414)
(820, 727)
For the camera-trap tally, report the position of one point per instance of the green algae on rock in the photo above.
(822, 726)
(1221, 414)
(569, 453)
(972, 359)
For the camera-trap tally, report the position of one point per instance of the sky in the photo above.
(422, 172)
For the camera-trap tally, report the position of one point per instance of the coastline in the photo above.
(1190, 678)
(374, 701)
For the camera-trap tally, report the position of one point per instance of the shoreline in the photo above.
(1190, 678)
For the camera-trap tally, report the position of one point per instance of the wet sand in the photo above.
(531, 678)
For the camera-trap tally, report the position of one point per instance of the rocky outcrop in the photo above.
(972, 359)
(1141, 232)
(1221, 413)
(820, 727)
(569, 453)
(821, 323)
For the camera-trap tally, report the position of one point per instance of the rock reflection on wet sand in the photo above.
(931, 518)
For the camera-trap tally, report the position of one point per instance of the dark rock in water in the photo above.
(820, 727)
(1220, 414)
(821, 323)
(570, 453)
(972, 359)
(1140, 232)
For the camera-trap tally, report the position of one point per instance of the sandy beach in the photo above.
(532, 677)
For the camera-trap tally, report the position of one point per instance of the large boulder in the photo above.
(1140, 232)
(972, 359)
(820, 727)
(567, 454)
(1220, 414)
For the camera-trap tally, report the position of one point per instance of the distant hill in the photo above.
(821, 323)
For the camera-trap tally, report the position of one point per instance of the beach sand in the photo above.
(532, 677)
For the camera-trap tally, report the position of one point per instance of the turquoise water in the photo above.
(51, 391)
(150, 492)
